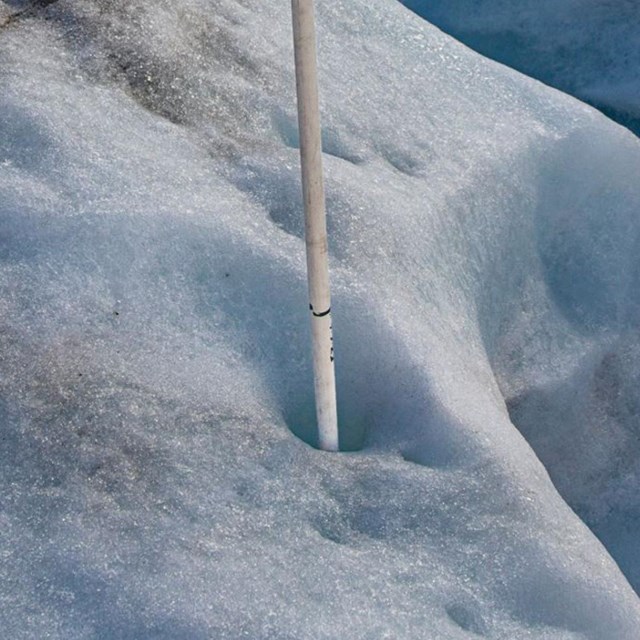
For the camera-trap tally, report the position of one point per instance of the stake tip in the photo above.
(331, 447)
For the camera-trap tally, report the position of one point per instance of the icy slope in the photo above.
(154, 349)
(589, 48)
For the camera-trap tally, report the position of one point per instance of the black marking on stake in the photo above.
(320, 315)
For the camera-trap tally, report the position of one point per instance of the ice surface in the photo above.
(589, 48)
(153, 331)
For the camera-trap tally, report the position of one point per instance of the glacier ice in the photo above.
(589, 48)
(484, 242)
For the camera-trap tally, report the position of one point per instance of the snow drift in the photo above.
(484, 239)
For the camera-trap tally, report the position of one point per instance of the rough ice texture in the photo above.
(155, 360)
(589, 48)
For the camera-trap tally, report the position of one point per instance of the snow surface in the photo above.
(155, 360)
(589, 48)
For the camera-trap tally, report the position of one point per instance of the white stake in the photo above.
(304, 40)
